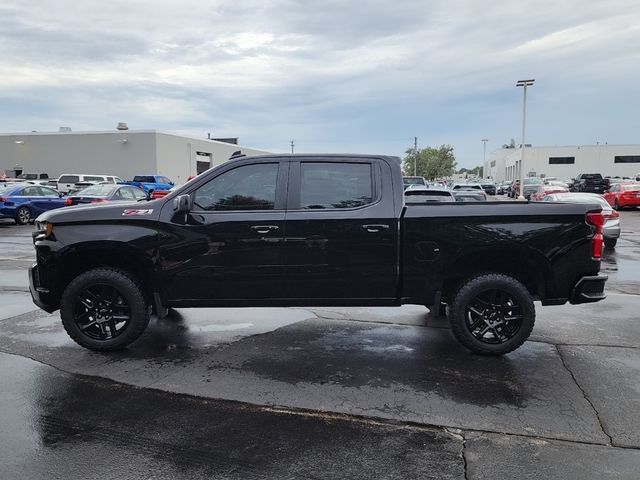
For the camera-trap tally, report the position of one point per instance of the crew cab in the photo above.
(151, 183)
(314, 230)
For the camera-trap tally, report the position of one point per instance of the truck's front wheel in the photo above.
(104, 309)
(492, 314)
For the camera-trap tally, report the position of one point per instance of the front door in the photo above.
(342, 234)
(230, 245)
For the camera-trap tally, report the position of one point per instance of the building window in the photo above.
(562, 160)
(493, 163)
(626, 159)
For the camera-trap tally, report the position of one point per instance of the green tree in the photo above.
(432, 162)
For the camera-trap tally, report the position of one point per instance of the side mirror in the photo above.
(60, 195)
(182, 204)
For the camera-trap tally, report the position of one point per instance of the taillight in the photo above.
(596, 219)
(613, 214)
(68, 202)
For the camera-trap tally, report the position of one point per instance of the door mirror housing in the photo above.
(182, 204)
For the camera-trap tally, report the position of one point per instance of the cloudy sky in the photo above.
(336, 76)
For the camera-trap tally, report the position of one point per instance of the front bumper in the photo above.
(588, 290)
(41, 296)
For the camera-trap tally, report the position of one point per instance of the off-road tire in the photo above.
(130, 290)
(468, 292)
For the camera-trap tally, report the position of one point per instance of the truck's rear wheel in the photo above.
(492, 314)
(104, 309)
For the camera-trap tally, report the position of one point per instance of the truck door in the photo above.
(341, 232)
(230, 246)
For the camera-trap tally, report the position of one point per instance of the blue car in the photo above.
(24, 202)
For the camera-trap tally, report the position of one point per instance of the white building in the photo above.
(564, 162)
(123, 153)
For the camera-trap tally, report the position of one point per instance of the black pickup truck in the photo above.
(313, 230)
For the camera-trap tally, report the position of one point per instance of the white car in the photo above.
(67, 181)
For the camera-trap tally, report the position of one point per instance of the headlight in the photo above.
(44, 230)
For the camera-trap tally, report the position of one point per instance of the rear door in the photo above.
(341, 232)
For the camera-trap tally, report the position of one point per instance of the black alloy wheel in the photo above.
(23, 216)
(101, 312)
(492, 314)
(104, 309)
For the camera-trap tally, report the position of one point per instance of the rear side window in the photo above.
(69, 179)
(144, 179)
(335, 185)
(249, 187)
(89, 178)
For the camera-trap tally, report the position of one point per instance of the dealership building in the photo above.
(563, 162)
(121, 152)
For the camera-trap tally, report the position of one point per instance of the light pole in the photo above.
(525, 84)
(484, 156)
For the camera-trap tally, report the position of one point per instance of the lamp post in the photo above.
(525, 84)
(484, 156)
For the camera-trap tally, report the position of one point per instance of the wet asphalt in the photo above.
(322, 393)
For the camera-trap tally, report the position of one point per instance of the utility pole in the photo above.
(525, 84)
(415, 156)
(484, 155)
(293, 142)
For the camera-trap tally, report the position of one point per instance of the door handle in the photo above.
(262, 229)
(375, 228)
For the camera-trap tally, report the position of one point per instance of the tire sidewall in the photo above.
(126, 287)
(475, 287)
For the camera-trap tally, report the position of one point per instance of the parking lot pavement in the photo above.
(562, 406)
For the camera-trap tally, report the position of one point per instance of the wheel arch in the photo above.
(108, 254)
(527, 266)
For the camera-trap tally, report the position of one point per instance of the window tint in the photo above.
(144, 179)
(562, 160)
(69, 179)
(89, 178)
(138, 193)
(626, 159)
(250, 187)
(335, 185)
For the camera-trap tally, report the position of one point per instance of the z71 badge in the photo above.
(132, 212)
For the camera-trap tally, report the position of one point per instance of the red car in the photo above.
(544, 190)
(622, 195)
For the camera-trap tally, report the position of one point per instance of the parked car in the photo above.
(23, 202)
(67, 182)
(468, 192)
(106, 193)
(151, 183)
(416, 194)
(488, 186)
(336, 231)
(611, 227)
(504, 188)
(590, 183)
(544, 190)
(621, 195)
(35, 178)
(410, 180)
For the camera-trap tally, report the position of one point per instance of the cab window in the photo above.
(335, 185)
(249, 187)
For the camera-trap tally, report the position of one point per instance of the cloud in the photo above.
(335, 75)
